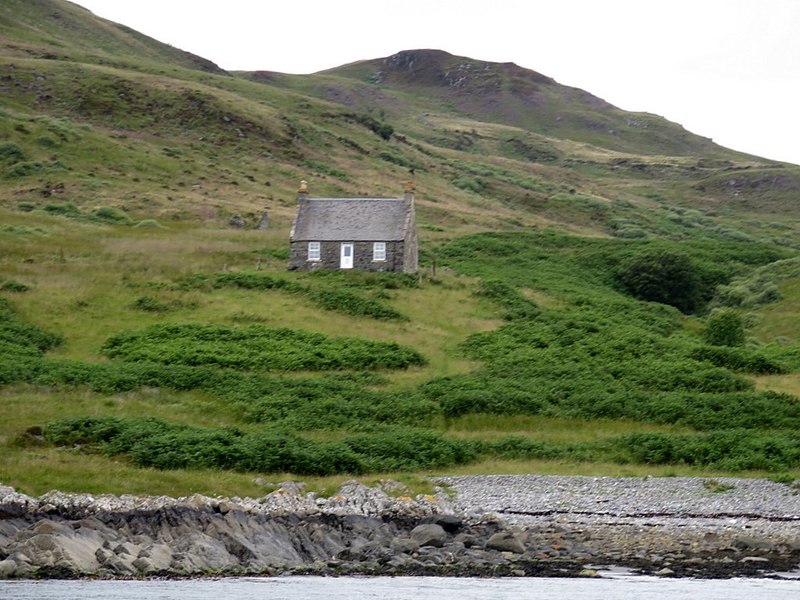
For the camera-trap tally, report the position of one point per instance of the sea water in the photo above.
(608, 587)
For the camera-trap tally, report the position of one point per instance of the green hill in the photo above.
(507, 94)
(146, 346)
(66, 31)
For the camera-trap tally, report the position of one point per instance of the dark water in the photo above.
(616, 587)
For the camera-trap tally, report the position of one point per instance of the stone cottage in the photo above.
(367, 234)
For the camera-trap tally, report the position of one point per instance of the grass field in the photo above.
(533, 340)
(87, 281)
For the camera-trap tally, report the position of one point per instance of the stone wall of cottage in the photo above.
(330, 257)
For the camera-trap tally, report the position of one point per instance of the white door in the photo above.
(347, 256)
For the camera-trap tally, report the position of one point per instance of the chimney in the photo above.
(302, 192)
(409, 195)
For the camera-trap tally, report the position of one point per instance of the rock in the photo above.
(118, 567)
(8, 568)
(754, 559)
(263, 222)
(142, 565)
(743, 542)
(450, 523)
(404, 545)
(102, 555)
(236, 221)
(429, 534)
(121, 549)
(665, 572)
(467, 539)
(13, 504)
(505, 541)
(372, 531)
(456, 548)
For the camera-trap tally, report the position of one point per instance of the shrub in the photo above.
(66, 209)
(23, 169)
(664, 276)
(110, 214)
(149, 224)
(255, 347)
(724, 328)
(11, 153)
(14, 286)
(22, 336)
(515, 304)
(348, 302)
(330, 297)
(517, 447)
(154, 443)
(735, 449)
(149, 304)
(737, 359)
(385, 131)
(398, 449)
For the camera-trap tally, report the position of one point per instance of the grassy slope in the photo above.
(105, 117)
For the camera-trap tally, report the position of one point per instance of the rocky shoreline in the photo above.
(472, 526)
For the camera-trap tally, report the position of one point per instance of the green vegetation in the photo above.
(716, 487)
(600, 292)
(255, 348)
(152, 443)
(662, 276)
(328, 296)
(725, 328)
(596, 355)
(14, 286)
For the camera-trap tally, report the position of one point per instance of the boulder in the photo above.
(429, 534)
(404, 545)
(8, 568)
(505, 541)
(450, 523)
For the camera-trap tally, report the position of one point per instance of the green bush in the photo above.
(65, 209)
(23, 169)
(16, 334)
(738, 359)
(154, 443)
(335, 295)
(758, 287)
(724, 328)
(662, 276)
(256, 347)
(514, 303)
(351, 303)
(409, 450)
(734, 450)
(150, 304)
(113, 215)
(14, 286)
(149, 224)
(11, 153)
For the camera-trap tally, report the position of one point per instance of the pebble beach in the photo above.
(522, 525)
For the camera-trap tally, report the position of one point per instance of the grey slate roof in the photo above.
(351, 219)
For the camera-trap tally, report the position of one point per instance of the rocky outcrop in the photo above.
(358, 530)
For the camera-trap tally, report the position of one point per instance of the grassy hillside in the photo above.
(66, 31)
(148, 347)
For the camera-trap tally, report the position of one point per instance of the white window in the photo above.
(379, 251)
(313, 251)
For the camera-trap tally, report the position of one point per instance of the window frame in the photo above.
(379, 255)
(314, 251)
